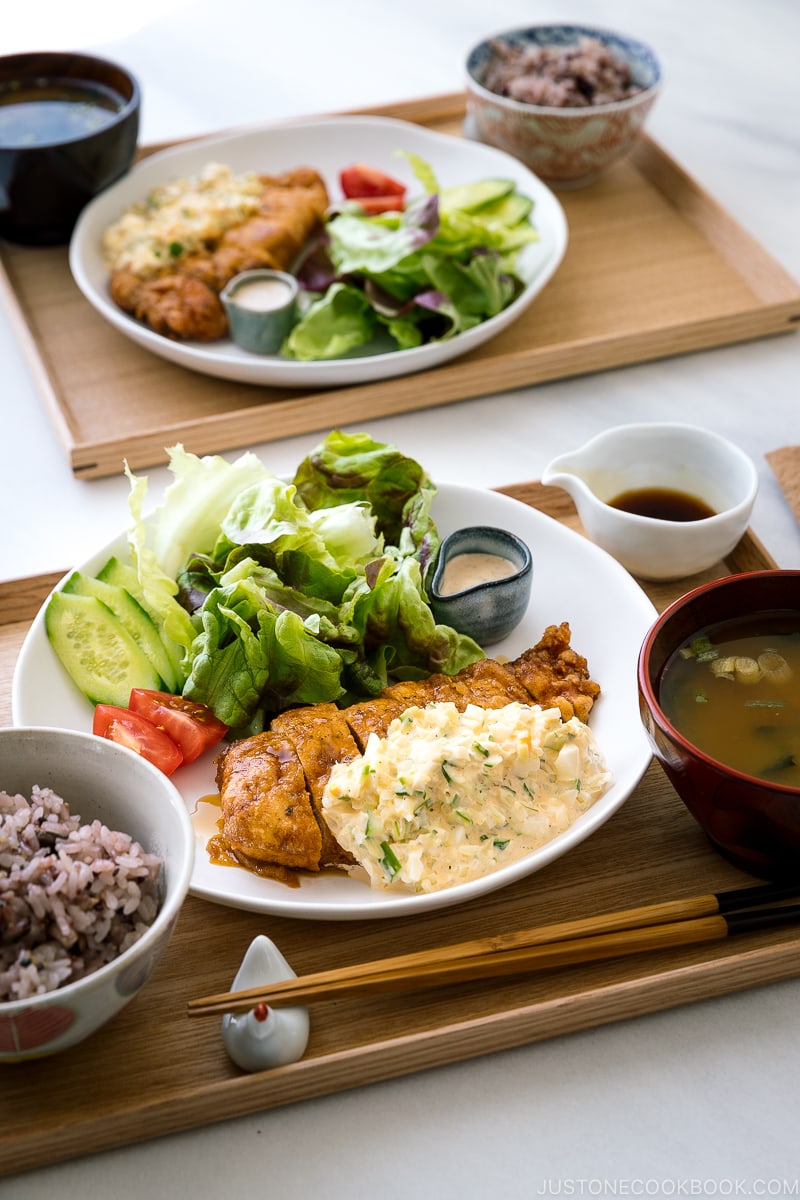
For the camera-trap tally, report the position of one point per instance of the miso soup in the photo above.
(45, 112)
(733, 690)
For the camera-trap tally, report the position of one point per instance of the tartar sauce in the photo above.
(180, 218)
(447, 797)
(464, 571)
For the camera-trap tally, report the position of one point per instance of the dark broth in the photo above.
(752, 725)
(665, 504)
(48, 111)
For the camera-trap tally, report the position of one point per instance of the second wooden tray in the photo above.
(654, 267)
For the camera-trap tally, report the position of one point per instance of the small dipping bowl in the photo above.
(753, 822)
(674, 458)
(261, 306)
(483, 607)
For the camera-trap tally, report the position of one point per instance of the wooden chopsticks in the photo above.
(608, 935)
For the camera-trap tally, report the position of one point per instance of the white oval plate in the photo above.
(573, 581)
(328, 145)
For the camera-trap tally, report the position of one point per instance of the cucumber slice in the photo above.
(123, 575)
(509, 210)
(470, 197)
(518, 236)
(98, 653)
(133, 618)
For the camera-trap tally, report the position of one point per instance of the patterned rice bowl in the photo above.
(108, 788)
(566, 147)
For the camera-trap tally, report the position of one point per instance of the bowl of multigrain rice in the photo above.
(96, 853)
(567, 100)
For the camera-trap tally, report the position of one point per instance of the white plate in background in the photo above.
(328, 146)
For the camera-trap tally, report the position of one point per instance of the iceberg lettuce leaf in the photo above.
(195, 503)
(160, 591)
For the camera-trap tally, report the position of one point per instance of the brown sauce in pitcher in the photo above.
(664, 504)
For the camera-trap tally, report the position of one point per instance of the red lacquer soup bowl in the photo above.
(752, 819)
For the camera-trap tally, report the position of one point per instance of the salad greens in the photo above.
(441, 266)
(281, 593)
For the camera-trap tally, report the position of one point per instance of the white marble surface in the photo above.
(698, 1101)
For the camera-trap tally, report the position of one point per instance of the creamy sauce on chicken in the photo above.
(180, 218)
(465, 571)
(447, 797)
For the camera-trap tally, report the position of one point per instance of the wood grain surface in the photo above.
(654, 267)
(154, 1070)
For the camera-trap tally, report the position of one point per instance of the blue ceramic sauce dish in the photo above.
(261, 306)
(481, 582)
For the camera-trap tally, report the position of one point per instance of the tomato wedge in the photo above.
(129, 729)
(191, 725)
(360, 182)
(379, 204)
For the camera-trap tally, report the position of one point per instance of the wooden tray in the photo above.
(654, 267)
(153, 1070)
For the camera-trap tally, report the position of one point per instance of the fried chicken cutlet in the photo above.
(172, 304)
(266, 806)
(556, 675)
(181, 300)
(321, 737)
(263, 795)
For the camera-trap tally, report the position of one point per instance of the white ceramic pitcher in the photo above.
(671, 456)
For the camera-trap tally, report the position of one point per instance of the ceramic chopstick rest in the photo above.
(271, 1037)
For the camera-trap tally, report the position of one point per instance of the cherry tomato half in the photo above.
(192, 726)
(379, 204)
(359, 181)
(129, 729)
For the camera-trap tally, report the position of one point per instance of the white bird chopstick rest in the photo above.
(264, 1037)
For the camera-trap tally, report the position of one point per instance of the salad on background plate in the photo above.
(398, 271)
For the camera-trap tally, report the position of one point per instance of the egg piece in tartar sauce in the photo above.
(449, 796)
